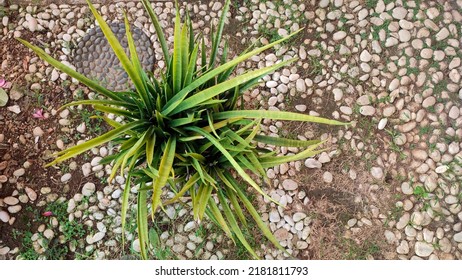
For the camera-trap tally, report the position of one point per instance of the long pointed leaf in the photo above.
(137, 66)
(98, 102)
(117, 111)
(158, 28)
(142, 223)
(236, 207)
(184, 53)
(150, 144)
(204, 199)
(217, 38)
(76, 150)
(309, 152)
(215, 214)
(116, 165)
(191, 66)
(211, 92)
(224, 179)
(124, 208)
(177, 56)
(283, 142)
(228, 156)
(164, 171)
(275, 115)
(125, 204)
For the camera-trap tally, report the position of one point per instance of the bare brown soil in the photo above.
(20, 145)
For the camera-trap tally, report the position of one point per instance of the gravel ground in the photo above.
(392, 68)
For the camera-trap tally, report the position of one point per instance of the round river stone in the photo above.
(95, 58)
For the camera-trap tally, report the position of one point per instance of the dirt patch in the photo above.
(21, 149)
(332, 205)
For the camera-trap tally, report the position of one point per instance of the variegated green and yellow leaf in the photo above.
(213, 91)
(142, 221)
(76, 150)
(275, 115)
(165, 168)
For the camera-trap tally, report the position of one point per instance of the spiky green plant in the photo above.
(183, 132)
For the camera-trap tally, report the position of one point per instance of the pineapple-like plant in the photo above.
(183, 132)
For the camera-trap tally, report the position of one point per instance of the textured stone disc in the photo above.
(94, 57)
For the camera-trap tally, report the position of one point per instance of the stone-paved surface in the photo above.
(95, 59)
(391, 67)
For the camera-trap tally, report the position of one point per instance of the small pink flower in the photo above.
(2, 83)
(47, 214)
(38, 114)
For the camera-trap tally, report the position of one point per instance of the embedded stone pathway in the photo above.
(94, 57)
